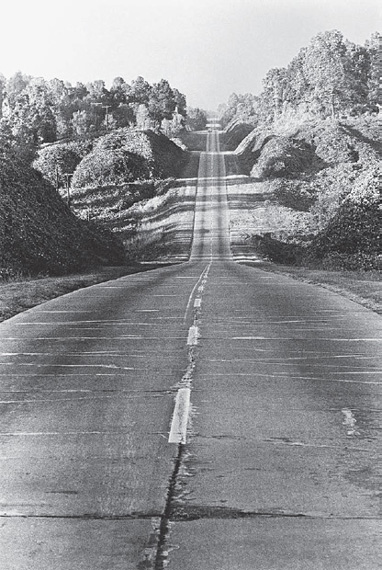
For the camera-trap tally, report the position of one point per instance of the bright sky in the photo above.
(206, 48)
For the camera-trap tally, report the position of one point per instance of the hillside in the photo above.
(104, 146)
(289, 148)
(121, 156)
(233, 134)
(117, 171)
(316, 187)
(127, 155)
(313, 157)
(39, 233)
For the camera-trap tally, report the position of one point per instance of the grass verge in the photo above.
(362, 287)
(19, 295)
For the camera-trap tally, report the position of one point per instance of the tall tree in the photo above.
(325, 68)
(162, 102)
(139, 91)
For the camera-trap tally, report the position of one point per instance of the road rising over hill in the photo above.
(208, 415)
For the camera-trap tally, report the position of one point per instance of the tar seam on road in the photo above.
(179, 423)
(164, 527)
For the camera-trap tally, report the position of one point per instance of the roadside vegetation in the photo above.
(19, 293)
(93, 177)
(39, 233)
(74, 160)
(88, 184)
(312, 158)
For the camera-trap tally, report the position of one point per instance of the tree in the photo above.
(143, 118)
(230, 110)
(40, 111)
(180, 101)
(196, 118)
(97, 91)
(325, 68)
(274, 94)
(139, 91)
(111, 162)
(118, 92)
(162, 102)
(124, 116)
(298, 89)
(54, 161)
(2, 92)
(82, 123)
(15, 86)
(374, 79)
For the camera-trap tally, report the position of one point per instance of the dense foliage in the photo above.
(196, 119)
(58, 160)
(352, 236)
(39, 233)
(316, 141)
(35, 111)
(81, 137)
(329, 77)
(128, 155)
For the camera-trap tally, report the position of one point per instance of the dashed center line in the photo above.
(202, 278)
(179, 423)
(178, 432)
(193, 336)
(350, 422)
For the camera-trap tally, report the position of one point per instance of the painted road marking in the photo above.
(197, 303)
(193, 336)
(203, 275)
(164, 295)
(350, 422)
(178, 431)
(304, 338)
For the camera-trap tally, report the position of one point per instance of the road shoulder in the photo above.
(364, 288)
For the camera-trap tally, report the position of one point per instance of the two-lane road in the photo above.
(208, 415)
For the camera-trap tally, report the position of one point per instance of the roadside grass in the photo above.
(21, 294)
(362, 287)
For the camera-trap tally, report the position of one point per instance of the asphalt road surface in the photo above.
(204, 416)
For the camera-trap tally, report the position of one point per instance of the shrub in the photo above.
(105, 166)
(295, 194)
(335, 261)
(39, 233)
(356, 227)
(54, 161)
(277, 251)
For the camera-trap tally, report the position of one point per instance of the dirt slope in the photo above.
(39, 233)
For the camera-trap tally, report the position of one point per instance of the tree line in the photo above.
(330, 77)
(34, 111)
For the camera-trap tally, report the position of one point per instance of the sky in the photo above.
(207, 49)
